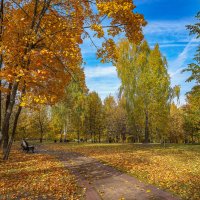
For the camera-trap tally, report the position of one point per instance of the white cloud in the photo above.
(139, 2)
(97, 72)
(88, 50)
(182, 100)
(170, 34)
(176, 45)
(105, 86)
(165, 26)
(178, 71)
(180, 63)
(183, 56)
(168, 31)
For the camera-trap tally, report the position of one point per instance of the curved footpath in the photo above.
(104, 182)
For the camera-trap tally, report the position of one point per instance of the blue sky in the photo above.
(166, 26)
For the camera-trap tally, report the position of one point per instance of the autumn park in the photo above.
(99, 100)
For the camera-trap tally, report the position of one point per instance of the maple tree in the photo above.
(41, 51)
(1, 63)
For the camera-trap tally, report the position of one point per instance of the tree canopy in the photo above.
(146, 86)
(194, 68)
(40, 46)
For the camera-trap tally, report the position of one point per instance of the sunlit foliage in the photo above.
(28, 176)
(174, 168)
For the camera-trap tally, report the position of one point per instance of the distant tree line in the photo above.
(146, 110)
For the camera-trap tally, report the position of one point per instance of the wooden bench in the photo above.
(26, 147)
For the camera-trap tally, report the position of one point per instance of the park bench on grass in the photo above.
(26, 147)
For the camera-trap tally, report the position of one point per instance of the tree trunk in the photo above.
(123, 134)
(146, 127)
(61, 135)
(41, 134)
(5, 126)
(192, 137)
(65, 132)
(91, 135)
(94, 136)
(99, 136)
(5, 136)
(41, 128)
(7, 152)
(7, 145)
(1, 136)
(78, 136)
(86, 135)
(24, 130)
(1, 63)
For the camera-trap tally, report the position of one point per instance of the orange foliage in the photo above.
(41, 42)
(35, 176)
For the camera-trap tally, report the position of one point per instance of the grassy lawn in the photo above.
(175, 168)
(36, 176)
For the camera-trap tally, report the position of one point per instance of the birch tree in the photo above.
(145, 86)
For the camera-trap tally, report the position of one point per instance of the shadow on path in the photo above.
(104, 182)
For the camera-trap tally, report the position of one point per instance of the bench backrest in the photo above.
(24, 143)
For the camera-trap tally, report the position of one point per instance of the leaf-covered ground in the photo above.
(174, 168)
(36, 176)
